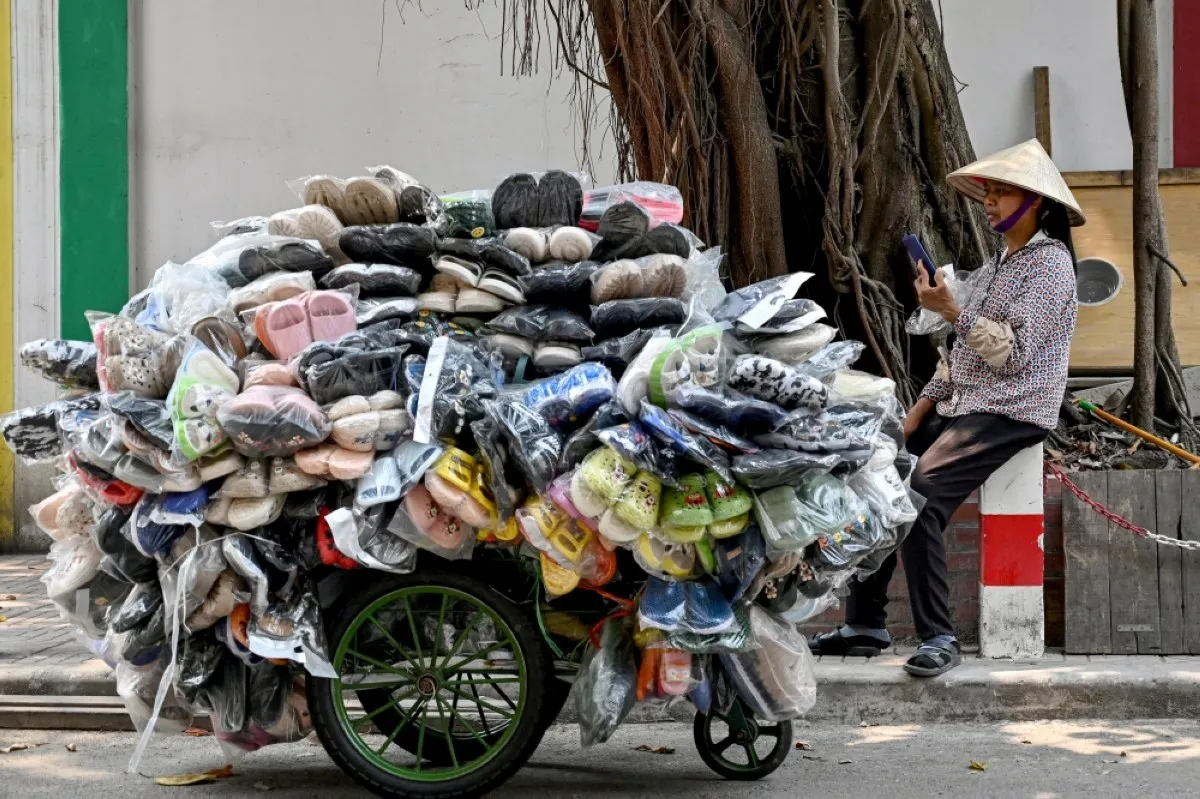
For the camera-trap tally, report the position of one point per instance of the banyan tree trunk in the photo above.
(805, 135)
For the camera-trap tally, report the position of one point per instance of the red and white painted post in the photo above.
(1011, 620)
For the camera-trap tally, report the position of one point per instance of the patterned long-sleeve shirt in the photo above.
(1014, 338)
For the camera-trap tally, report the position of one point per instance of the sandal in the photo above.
(687, 506)
(835, 644)
(933, 659)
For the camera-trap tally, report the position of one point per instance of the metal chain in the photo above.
(1119, 521)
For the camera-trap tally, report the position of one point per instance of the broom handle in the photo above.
(1139, 432)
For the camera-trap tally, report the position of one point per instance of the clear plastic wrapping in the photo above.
(273, 421)
(375, 280)
(454, 385)
(68, 363)
(792, 517)
(540, 323)
(777, 678)
(662, 203)
(401, 244)
(606, 689)
(619, 317)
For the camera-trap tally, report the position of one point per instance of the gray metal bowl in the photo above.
(1097, 282)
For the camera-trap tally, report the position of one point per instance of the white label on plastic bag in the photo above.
(423, 434)
(766, 308)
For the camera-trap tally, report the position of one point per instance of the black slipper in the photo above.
(932, 660)
(835, 644)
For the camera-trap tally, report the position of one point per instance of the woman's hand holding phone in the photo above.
(935, 295)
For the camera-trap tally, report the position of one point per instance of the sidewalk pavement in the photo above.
(40, 657)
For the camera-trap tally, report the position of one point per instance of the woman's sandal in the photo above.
(932, 660)
(835, 644)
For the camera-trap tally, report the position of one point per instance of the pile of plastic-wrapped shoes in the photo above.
(540, 369)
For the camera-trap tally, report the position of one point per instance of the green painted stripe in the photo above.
(93, 58)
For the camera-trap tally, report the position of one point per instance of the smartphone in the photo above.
(917, 253)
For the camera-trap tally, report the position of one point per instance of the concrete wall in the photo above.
(230, 98)
(993, 48)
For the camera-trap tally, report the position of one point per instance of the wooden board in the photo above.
(1085, 549)
(1169, 499)
(1190, 531)
(1133, 567)
(1104, 335)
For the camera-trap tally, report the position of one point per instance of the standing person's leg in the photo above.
(865, 632)
(967, 452)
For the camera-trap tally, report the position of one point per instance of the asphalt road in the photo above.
(1041, 760)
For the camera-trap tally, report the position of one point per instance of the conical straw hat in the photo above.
(1027, 165)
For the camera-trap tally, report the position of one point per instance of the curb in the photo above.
(850, 691)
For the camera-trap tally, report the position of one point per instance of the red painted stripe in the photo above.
(1009, 552)
(1187, 84)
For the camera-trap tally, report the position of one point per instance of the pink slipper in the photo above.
(331, 315)
(288, 329)
(347, 465)
(315, 461)
(441, 530)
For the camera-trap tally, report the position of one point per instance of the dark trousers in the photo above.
(955, 456)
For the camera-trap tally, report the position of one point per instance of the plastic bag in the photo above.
(852, 384)
(791, 318)
(280, 255)
(180, 295)
(847, 428)
(795, 348)
(540, 323)
(375, 280)
(362, 372)
(634, 384)
(619, 317)
(662, 203)
(149, 416)
(273, 421)
(547, 199)
(75, 561)
(292, 631)
(672, 434)
(633, 442)
(832, 358)
(792, 517)
(401, 244)
(769, 468)
(203, 384)
(487, 252)
(383, 309)
(68, 363)
(774, 381)
(739, 560)
(880, 485)
(567, 397)
(618, 353)
(534, 445)
(454, 385)
(88, 607)
(494, 460)
(581, 443)
(755, 305)
(606, 688)
(121, 557)
(351, 527)
(244, 559)
(566, 284)
(138, 688)
(454, 540)
(273, 287)
(777, 678)
(962, 286)
(466, 215)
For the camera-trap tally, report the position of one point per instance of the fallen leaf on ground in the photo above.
(262, 786)
(977, 766)
(1026, 742)
(659, 750)
(8, 598)
(72, 748)
(182, 780)
(1123, 755)
(196, 732)
(3, 618)
(804, 746)
(1111, 761)
(845, 762)
(19, 747)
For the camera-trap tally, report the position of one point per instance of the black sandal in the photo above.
(835, 644)
(932, 660)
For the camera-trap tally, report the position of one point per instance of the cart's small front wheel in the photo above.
(738, 747)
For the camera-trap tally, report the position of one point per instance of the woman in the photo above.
(999, 393)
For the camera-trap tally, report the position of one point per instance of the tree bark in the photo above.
(804, 135)
(1158, 386)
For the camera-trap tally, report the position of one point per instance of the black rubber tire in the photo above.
(530, 725)
(766, 765)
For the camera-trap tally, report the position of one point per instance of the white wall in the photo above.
(233, 97)
(994, 46)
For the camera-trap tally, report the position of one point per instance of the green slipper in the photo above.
(727, 528)
(687, 505)
(683, 535)
(607, 474)
(639, 503)
(728, 500)
(704, 554)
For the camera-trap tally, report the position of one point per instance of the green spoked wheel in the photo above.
(441, 689)
(738, 747)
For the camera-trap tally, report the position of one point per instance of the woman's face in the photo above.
(1002, 201)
